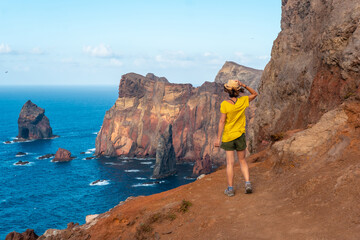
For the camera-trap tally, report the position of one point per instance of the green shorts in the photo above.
(238, 144)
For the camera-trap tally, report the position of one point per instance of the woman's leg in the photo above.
(230, 167)
(243, 164)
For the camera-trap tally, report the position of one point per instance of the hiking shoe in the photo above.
(248, 187)
(229, 193)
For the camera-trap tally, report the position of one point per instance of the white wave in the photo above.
(21, 155)
(132, 170)
(189, 178)
(141, 178)
(143, 159)
(27, 164)
(147, 184)
(146, 162)
(95, 133)
(100, 183)
(152, 166)
(90, 151)
(112, 163)
(10, 142)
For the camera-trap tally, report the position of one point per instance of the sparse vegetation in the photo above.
(155, 218)
(184, 207)
(349, 94)
(171, 216)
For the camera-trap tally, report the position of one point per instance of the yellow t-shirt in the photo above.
(235, 118)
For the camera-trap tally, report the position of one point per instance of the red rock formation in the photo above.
(32, 123)
(314, 65)
(62, 155)
(147, 105)
(202, 166)
(29, 234)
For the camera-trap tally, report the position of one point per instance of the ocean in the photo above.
(44, 194)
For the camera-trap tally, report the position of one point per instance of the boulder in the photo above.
(202, 166)
(62, 155)
(29, 234)
(32, 123)
(22, 163)
(165, 156)
(46, 156)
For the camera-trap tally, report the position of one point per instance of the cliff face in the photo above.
(147, 105)
(246, 75)
(314, 66)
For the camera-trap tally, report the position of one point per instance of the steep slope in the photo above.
(314, 66)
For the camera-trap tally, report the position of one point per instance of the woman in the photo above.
(232, 129)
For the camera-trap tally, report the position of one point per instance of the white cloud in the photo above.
(99, 51)
(115, 62)
(174, 58)
(37, 51)
(4, 48)
(264, 57)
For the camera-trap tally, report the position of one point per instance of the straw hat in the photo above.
(232, 84)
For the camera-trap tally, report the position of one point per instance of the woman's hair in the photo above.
(233, 92)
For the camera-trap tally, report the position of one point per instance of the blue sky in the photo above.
(95, 42)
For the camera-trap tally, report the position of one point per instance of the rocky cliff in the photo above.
(314, 66)
(32, 123)
(232, 70)
(147, 105)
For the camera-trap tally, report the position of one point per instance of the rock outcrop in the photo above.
(314, 66)
(147, 105)
(232, 70)
(165, 165)
(62, 155)
(145, 108)
(202, 166)
(29, 234)
(32, 123)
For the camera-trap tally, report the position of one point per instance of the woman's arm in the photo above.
(252, 91)
(221, 128)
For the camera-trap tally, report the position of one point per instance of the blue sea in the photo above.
(44, 194)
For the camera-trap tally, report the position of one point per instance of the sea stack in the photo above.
(202, 166)
(165, 165)
(32, 123)
(62, 155)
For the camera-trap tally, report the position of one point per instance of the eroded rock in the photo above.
(165, 156)
(32, 123)
(202, 166)
(62, 155)
(314, 65)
